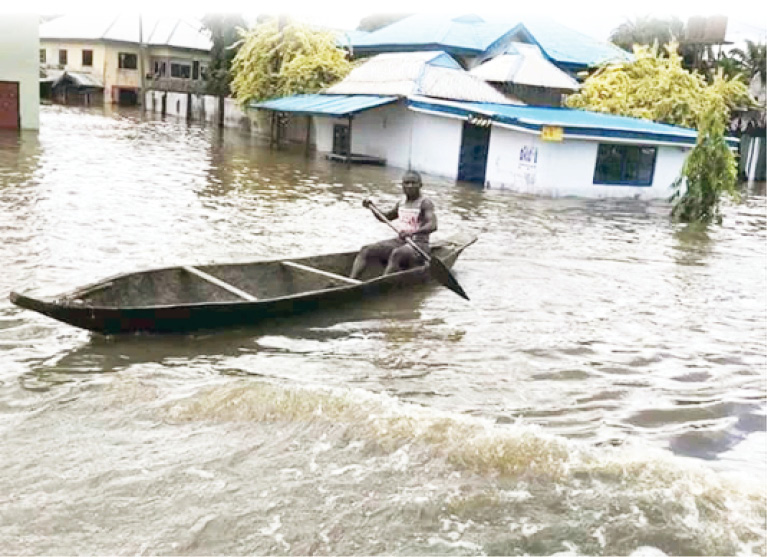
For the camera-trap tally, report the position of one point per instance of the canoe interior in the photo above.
(178, 286)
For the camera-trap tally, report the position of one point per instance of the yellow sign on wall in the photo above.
(552, 133)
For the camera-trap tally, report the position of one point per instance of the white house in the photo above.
(537, 150)
(19, 73)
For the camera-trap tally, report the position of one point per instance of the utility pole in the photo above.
(142, 76)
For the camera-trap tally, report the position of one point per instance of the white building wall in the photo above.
(521, 162)
(406, 139)
(436, 144)
(204, 107)
(19, 62)
(515, 161)
(391, 122)
(383, 132)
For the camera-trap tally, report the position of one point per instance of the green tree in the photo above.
(753, 59)
(377, 21)
(650, 31)
(280, 58)
(658, 88)
(647, 31)
(709, 172)
(730, 66)
(225, 36)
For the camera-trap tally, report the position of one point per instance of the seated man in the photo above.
(415, 220)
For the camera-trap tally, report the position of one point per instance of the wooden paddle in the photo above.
(438, 270)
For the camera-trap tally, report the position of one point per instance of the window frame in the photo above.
(180, 66)
(63, 57)
(43, 56)
(122, 60)
(90, 54)
(623, 180)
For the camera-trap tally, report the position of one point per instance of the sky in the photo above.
(592, 17)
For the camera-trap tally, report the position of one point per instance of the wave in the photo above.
(537, 493)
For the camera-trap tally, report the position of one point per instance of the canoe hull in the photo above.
(192, 317)
(188, 317)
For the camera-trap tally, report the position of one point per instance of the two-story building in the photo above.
(19, 90)
(118, 56)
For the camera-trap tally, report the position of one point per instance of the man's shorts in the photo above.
(383, 250)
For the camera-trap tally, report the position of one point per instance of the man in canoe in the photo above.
(415, 219)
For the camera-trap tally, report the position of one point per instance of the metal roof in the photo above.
(567, 47)
(574, 122)
(431, 74)
(471, 35)
(461, 35)
(174, 32)
(325, 105)
(83, 79)
(524, 64)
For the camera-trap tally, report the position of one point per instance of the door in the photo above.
(340, 139)
(9, 105)
(473, 160)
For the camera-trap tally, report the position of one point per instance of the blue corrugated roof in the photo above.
(474, 36)
(325, 105)
(574, 122)
(569, 48)
(423, 32)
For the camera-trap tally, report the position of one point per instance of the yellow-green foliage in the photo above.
(658, 88)
(710, 170)
(275, 63)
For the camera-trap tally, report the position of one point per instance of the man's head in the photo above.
(411, 184)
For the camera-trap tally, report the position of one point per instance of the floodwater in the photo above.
(602, 393)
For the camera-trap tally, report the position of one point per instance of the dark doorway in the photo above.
(473, 161)
(9, 105)
(340, 140)
(127, 97)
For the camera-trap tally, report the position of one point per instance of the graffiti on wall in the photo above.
(527, 166)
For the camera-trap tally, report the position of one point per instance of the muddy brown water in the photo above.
(602, 393)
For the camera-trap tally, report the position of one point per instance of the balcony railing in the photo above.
(176, 84)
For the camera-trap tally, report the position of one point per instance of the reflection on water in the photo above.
(597, 321)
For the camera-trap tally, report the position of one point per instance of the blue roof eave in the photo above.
(327, 105)
(416, 47)
(459, 109)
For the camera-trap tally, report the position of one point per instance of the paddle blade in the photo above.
(442, 274)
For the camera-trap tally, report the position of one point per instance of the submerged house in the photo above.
(415, 106)
(71, 87)
(536, 150)
(121, 54)
(19, 91)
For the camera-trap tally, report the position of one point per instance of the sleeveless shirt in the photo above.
(409, 220)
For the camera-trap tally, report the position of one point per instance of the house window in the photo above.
(625, 165)
(87, 57)
(62, 57)
(182, 71)
(43, 56)
(127, 61)
(195, 70)
(159, 69)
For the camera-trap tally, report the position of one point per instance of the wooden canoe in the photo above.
(188, 298)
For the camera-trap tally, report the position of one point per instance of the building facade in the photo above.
(125, 55)
(533, 150)
(19, 72)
